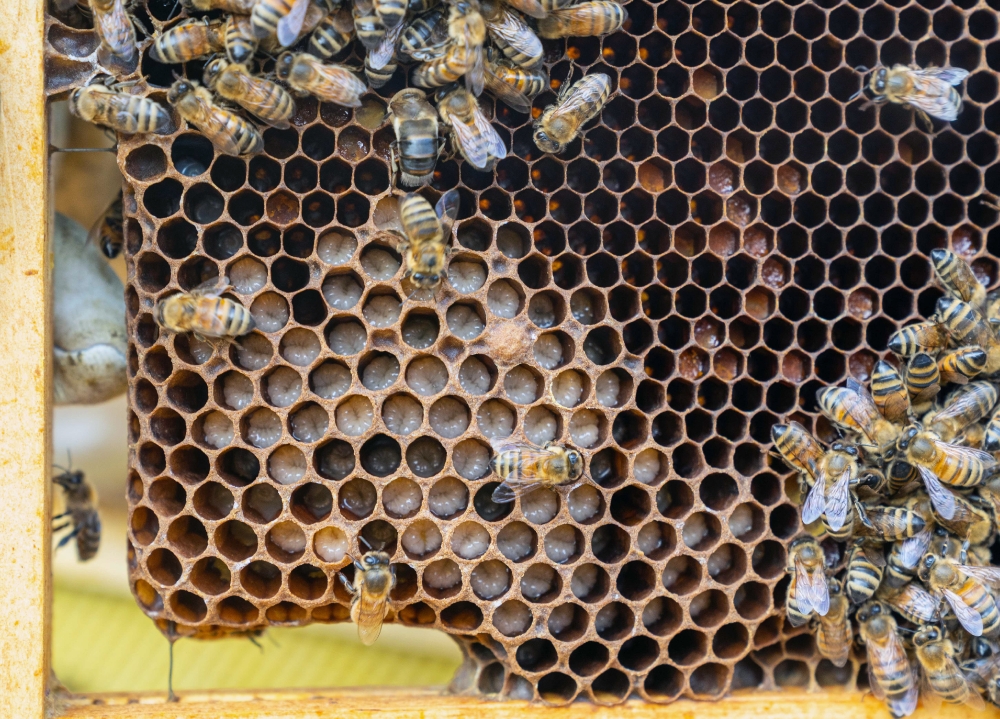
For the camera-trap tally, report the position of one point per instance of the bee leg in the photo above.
(72, 535)
(60, 528)
(60, 516)
(925, 120)
(347, 585)
(171, 697)
(253, 640)
(392, 571)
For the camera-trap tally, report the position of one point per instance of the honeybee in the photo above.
(108, 232)
(384, 53)
(958, 278)
(889, 394)
(236, 7)
(576, 104)
(809, 591)
(113, 26)
(889, 523)
(527, 83)
(922, 378)
(914, 603)
(189, 40)
(991, 438)
(831, 493)
(961, 365)
(531, 8)
(471, 133)
(512, 34)
(367, 25)
(282, 19)
(417, 144)
(971, 521)
(390, 12)
(965, 406)
(425, 35)
(374, 578)
(938, 462)
(833, 630)
(967, 327)
(919, 337)
(329, 83)
(799, 448)
(524, 468)
(853, 409)
(425, 234)
(334, 32)
(203, 312)
(265, 99)
(230, 133)
(240, 40)
(904, 556)
(102, 104)
(888, 666)
(461, 55)
(586, 19)
(899, 474)
(81, 509)
(941, 674)
(377, 77)
(928, 91)
(865, 567)
(962, 586)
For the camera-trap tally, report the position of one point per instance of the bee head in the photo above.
(69, 480)
(426, 279)
(212, 71)
(926, 565)
(179, 89)
(834, 586)
(575, 460)
(903, 443)
(374, 559)
(283, 65)
(927, 635)
(879, 80)
(546, 143)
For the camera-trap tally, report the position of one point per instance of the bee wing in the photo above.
(513, 31)
(986, 575)
(529, 7)
(371, 614)
(838, 500)
(875, 555)
(475, 75)
(920, 602)
(811, 590)
(215, 125)
(290, 26)
(467, 138)
(494, 144)
(966, 615)
(383, 52)
(964, 453)
(210, 288)
(906, 704)
(942, 500)
(508, 492)
(972, 698)
(338, 85)
(950, 75)
(913, 548)
(447, 210)
(815, 503)
(516, 99)
(967, 404)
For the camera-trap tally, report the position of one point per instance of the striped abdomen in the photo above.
(131, 114)
(390, 12)
(922, 377)
(418, 146)
(188, 41)
(958, 470)
(332, 35)
(419, 220)
(917, 338)
(527, 82)
(965, 324)
(267, 14)
(587, 19)
(955, 273)
(894, 677)
(265, 99)
(863, 578)
(87, 524)
(378, 78)
(114, 28)
(219, 317)
(978, 598)
(241, 43)
(420, 33)
(796, 616)
(444, 70)
(962, 364)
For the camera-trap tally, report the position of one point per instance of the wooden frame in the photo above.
(25, 418)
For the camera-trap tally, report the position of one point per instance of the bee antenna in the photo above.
(173, 10)
(361, 538)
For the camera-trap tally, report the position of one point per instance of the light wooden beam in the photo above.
(25, 267)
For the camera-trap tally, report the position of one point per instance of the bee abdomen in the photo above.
(862, 581)
(241, 43)
(390, 12)
(267, 14)
(88, 538)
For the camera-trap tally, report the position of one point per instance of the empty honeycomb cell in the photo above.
(145, 525)
(379, 371)
(212, 501)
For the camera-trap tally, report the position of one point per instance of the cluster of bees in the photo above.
(903, 509)
(263, 53)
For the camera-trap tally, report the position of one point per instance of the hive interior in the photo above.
(729, 236)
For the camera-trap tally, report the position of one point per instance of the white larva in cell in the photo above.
(584, 502)
(310, 423)
(584, 580)
(520, 689)
(283, 387)
(471, 459)
(381, 372)
(253, 352)
(647, 466)
(335, 248)
(288, 537)
(516, 541)
(342, 292)
(490, 579)
(606, 618)
(335, 460)
(420, 331)
(357, 498)
(426, 376)
(561, 544)
(379, 264)
(263, 428)
(200, 351)
(582, 307)
(217, 430)
(720, 561)
(651, 538)
(331, 544)
(585, 428)
(695, 530)
(270, 312)
(300, 346)
(540, 426)
(464, 322)
(542, 311)
(567, 388)
(548, 351)
(470, 540)
(247, 275)
(510, 243)
(237, 390)
(561, 618)
(503, 300)
(449, 417)
(348, 338)
(401, 497)
(266, 504)
(355, 415)
(474, 376)
(496, 420)
(421, 539)
(538, 581)
(741, 521)
(607, 388)
(402, 414)
(442, 574)
(382, 310)
(425, 457)
(466, 277)
(540, 506)
(286, 465)
(521, 385)
(512, 618)
(447, 498)
(330, 380)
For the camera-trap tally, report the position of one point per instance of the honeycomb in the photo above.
(732, 234)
